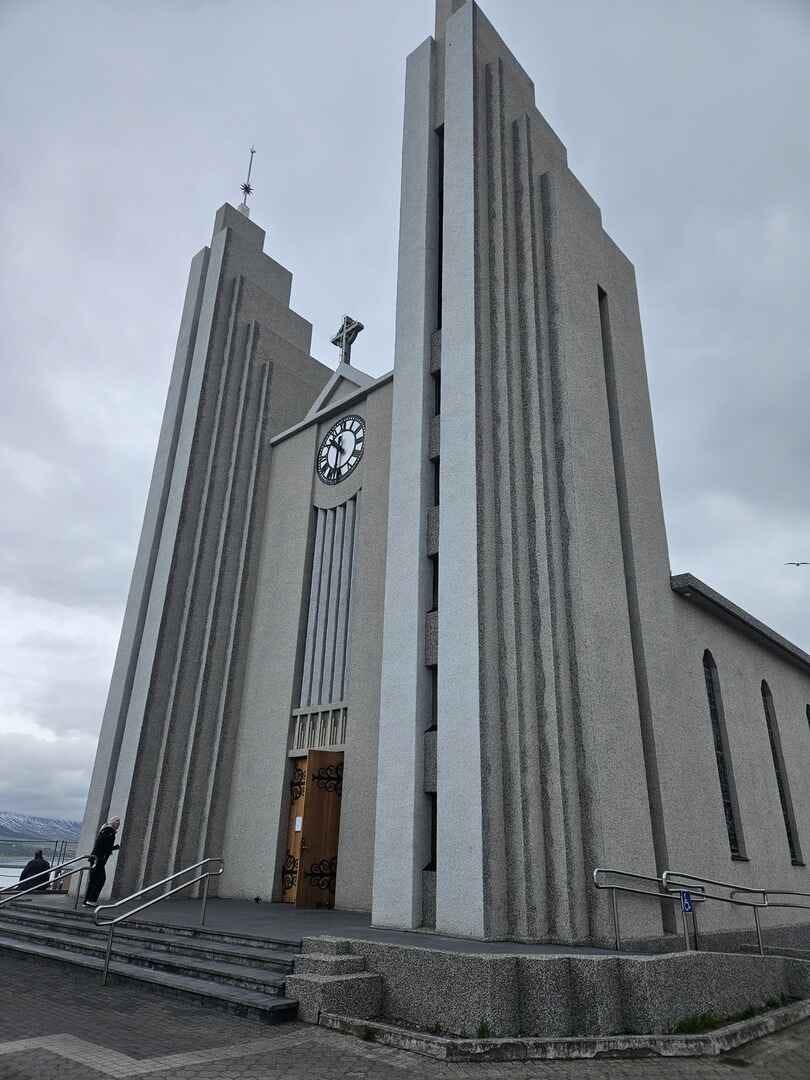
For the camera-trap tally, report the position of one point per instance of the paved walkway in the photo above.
(287, 923)
(60, 1024)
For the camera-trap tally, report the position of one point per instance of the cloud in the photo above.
(49, 778)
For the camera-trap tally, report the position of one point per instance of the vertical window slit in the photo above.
(781, 776)
(725, 770)
(439, 223)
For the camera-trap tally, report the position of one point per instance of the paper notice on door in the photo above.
(299, 823)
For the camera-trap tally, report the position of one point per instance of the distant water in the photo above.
(10, 874)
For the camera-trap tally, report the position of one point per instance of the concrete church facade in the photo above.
(411, 644)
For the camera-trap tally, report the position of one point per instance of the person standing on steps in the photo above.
(38, 865)
(104, 846)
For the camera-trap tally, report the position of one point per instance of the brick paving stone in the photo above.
(45, 1065)
(39, 999)
(42, 998)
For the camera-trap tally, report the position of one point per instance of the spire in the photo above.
(246, 188)
(444, 9)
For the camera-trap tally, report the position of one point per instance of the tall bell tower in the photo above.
(521, 527)
(242, 372)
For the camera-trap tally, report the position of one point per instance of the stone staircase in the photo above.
(331, 978)
(240, 973)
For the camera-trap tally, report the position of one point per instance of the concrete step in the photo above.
(84, 929)
(235, 945)
(250, 978)
(268, 1008)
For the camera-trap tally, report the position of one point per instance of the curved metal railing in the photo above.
(43, 878)
(673, 883)
(112, 923)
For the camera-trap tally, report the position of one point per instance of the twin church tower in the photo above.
(410, 644)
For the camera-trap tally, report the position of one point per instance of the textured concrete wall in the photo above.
(257, 818)
(98, 808)
(258, 786)
(357, 813)
(170, 734)
(571, 995)
(696, 835)
(539, 711)
(402, 850)
(460, 771)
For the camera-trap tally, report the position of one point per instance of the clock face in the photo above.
(341, 449)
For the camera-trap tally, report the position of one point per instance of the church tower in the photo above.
(513, 688)
(410, 643)
(242, 373)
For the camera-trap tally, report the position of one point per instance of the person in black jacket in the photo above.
(104, 846)
(37, 865)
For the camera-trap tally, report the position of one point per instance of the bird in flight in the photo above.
(797, 564)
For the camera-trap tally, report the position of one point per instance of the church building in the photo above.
(411, 644)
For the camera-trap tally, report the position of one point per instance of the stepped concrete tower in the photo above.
(513, 303)
(242, 373)
(411, 644)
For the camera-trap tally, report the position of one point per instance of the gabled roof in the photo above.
(346, 381)
(692, 588)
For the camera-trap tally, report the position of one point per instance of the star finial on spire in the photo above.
(247, 187)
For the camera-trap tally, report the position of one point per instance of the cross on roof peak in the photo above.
(346, 337)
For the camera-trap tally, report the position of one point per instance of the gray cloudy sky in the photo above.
(127, 125)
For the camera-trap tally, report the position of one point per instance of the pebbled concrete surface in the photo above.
(287, 923)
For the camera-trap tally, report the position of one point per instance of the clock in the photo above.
(341, 449)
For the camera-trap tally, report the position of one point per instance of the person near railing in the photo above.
(37, 865)
(104, 846)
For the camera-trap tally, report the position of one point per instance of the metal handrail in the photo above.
(17, 892)
(785, 892)
(702, 881)
(659, 894)
(112, 923)
(673, 882)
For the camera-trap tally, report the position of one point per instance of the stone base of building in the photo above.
(476, 997)
(531, 1049)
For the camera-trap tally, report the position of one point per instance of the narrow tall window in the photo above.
(439, 223)
(725, 770)
(432, 824)
(781, 776)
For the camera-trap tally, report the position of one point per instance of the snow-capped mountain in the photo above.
(25, 826)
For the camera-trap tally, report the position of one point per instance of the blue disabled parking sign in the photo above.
(686, 903)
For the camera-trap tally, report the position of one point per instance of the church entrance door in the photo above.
(310, 867)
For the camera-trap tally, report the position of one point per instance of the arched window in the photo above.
(725, 771)
(781, 776)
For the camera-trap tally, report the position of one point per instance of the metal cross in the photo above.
(346, 337)
(246, 188)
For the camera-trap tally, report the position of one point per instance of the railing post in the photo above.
(759, 932)
(107, 956)
(615, 906)
(204, 900)
(685, 930)
(78, 890)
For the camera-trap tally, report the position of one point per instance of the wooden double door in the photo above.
(309, 872)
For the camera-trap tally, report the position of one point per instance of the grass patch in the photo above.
(709, 1021)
